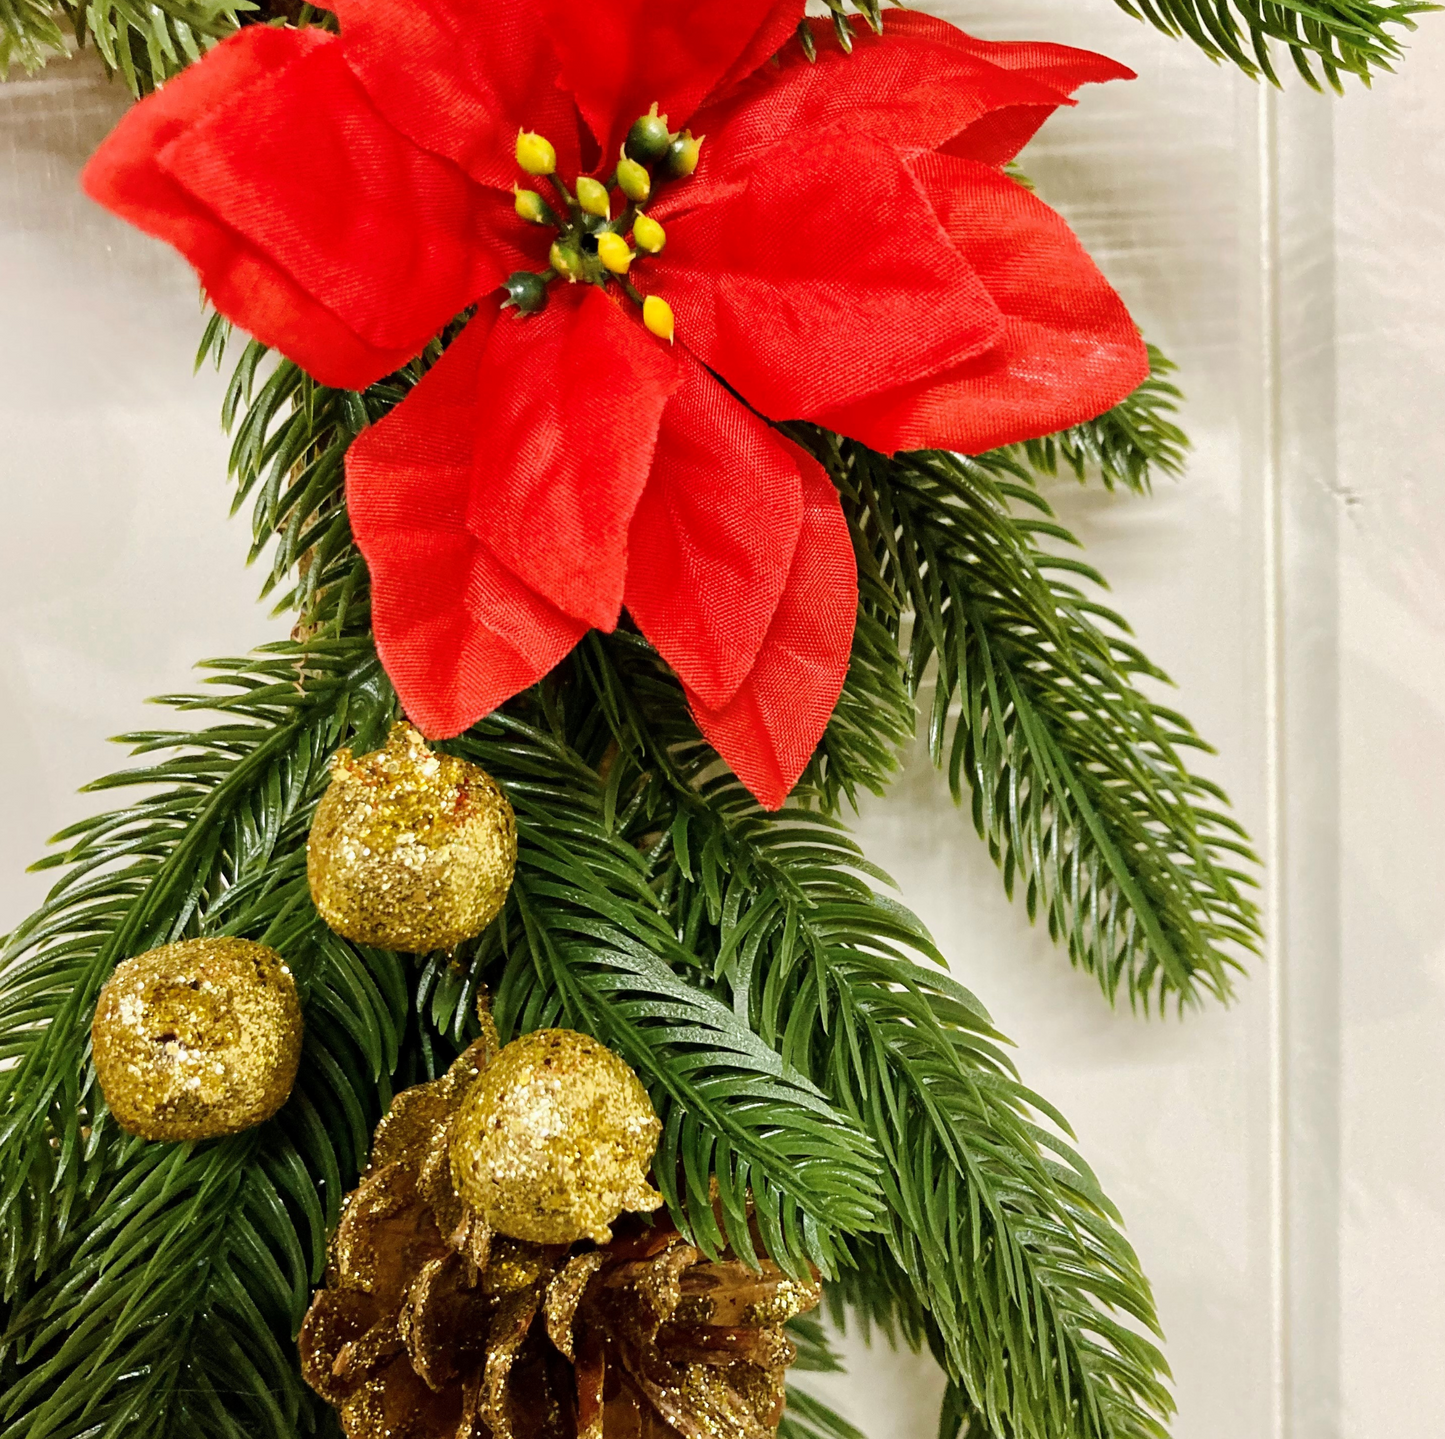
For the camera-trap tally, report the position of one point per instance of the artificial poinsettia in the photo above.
(847, 251)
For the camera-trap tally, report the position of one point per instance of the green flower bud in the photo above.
(566, 260)
(528, 292)
(648, 234)
(649, 136)
(633, 180)
(535, 154)
(682, 154)
(593, 197)
(532, 208)
(613, 252)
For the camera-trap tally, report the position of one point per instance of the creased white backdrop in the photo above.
(1281, 1163)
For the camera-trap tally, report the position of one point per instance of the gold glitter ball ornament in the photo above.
(197, 1039)
(554, 1140)
(410, 849)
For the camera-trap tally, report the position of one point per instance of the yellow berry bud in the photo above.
(633, 180)
(532, 208)
(648, 234)
(593, 197)
(657, 316)
(566, 260)
(613, 252)
(535, 154)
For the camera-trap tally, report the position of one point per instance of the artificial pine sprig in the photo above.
(734, 957)
(1076, 776)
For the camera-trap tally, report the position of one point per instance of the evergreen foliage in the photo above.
(1076, 777)
(821, 1079)
(793, 1024)
(1325, 38)
(144, 41)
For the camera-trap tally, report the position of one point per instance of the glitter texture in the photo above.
(410, 850)
(197, 1039)
(422, 1333)
(554, 1140)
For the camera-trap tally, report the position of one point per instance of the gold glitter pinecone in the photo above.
(197, 1039)
(431, 1327)
(410, 849)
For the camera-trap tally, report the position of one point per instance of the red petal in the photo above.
(775, 33)
(244, 284)
(1069, 349)
(461, 79)
(768, 731)
(998, 137)
(457, 631)
(573, 398)
(713, 539)
(912, 88)
(620, 56)
(390, 238)
(822, 278)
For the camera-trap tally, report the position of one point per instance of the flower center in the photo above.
(594, 245)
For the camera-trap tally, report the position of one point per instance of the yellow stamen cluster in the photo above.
(592, 243)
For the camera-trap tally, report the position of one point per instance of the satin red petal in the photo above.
(774, 33)
(570, 402)
(1069, 349)
(619, 57)
(911, 88)
(768, 731)
(998, 137)
(387, 236)
(712, 541)
(460, 79)
(456, 630)
(242, 281)
(822, 278)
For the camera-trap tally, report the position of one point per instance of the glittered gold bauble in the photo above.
(410, 849)
(431, 1327)
(197, 1039)
(554, 1140)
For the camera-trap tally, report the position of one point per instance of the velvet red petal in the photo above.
(573, 398)
(243, 282)
(1069, 349)
(456, 630)
(461, 78)
(713, 539)
(770, 728)
(909, 88)
(620, 56)
(822, 278)
(387, 236)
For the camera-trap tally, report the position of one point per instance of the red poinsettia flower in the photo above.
(847, 251)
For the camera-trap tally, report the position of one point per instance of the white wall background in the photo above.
(1282, 1163)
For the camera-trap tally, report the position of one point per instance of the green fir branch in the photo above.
(1325, 38)
(745, 964)
(145, 42)
(29, 34)
(998, 1225)
(1076, 777)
